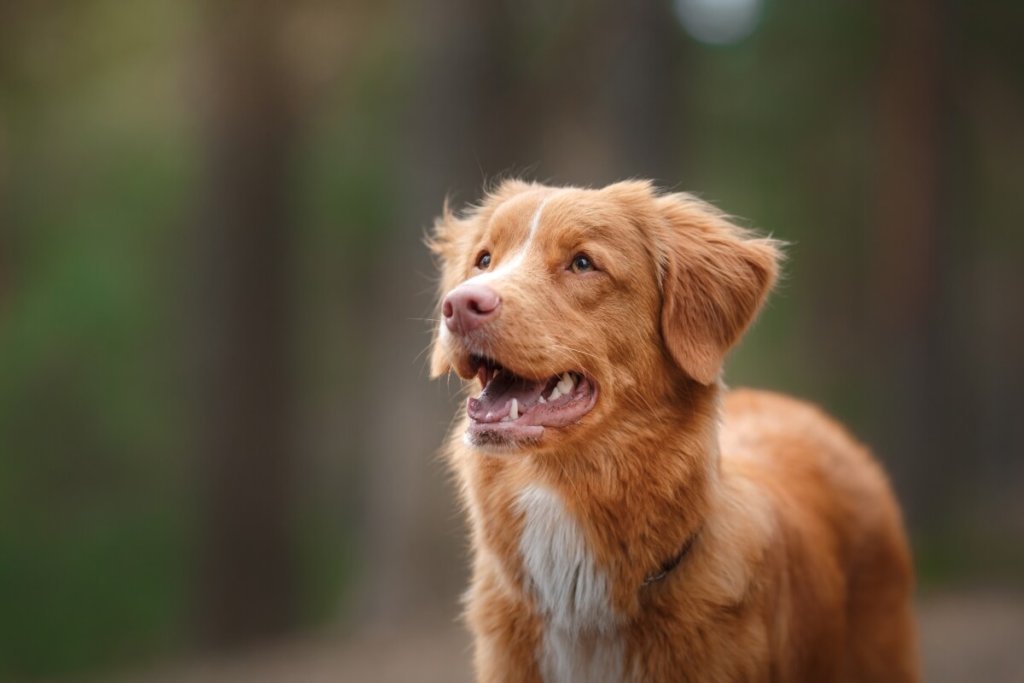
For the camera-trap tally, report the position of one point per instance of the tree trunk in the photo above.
(247, 574)
(923, 425)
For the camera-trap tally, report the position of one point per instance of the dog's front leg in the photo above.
(507, 635)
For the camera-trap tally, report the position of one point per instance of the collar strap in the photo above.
(672, 562)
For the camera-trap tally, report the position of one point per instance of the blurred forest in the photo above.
(216, 427)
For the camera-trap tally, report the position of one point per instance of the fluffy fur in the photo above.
(799, 568)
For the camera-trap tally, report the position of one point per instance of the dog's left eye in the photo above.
(581, 263)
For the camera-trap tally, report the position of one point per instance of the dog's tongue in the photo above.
(494, 402)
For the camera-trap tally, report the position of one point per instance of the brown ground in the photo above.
(965, 637)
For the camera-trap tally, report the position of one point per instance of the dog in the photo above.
(631, 519)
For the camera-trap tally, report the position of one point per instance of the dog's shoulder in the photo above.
(768, 431)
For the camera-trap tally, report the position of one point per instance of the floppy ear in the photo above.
(444, 241)
(715, 278)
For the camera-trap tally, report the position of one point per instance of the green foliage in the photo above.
(93, 509)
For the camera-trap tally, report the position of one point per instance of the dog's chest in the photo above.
(580, 640)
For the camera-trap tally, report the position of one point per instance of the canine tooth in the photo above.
(541, 399)
(555, 393)
(565, 384)
(514, 410)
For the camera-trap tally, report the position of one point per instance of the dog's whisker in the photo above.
(422, 353)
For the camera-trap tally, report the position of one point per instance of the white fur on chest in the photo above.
(580, 636)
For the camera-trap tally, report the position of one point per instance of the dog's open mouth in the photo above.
(512, 408)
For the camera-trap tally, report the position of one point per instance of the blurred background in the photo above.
(218, 441)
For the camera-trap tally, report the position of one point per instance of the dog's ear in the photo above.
(445, 242)
(444, 239)
(715, 277)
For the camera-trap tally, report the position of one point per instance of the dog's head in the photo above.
(574, 306)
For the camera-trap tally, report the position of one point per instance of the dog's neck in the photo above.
(630, 516)
(645, 510)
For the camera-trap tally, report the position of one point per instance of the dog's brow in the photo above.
(515, 258)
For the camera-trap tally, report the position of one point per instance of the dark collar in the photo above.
(672, 562)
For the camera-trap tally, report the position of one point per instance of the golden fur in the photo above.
(799, 568)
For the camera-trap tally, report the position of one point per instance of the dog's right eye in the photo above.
(483, 261)
(581, 263)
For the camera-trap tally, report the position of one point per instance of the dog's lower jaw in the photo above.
(496, 443)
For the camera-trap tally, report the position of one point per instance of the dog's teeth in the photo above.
(513, 412)
(541, 399)
(555, 393)
(565, 384)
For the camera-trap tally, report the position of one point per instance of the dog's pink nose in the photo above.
(467, 307)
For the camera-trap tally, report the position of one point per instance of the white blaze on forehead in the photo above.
(535, 221)
(507, 266)
(514, 260)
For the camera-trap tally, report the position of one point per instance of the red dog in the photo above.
(632, 520)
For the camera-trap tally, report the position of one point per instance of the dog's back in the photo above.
(838, 550)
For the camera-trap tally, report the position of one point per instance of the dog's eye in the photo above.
(483, 261)
(581, 263)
